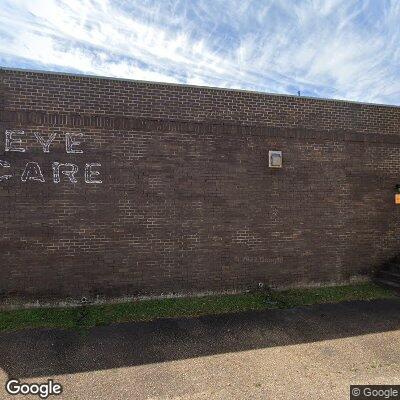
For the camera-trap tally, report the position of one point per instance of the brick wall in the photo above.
(187, 202)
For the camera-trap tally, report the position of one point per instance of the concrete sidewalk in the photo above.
(311, 352)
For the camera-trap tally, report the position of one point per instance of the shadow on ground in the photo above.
(44, 352)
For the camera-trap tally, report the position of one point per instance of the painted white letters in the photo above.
(45, 144)
(32, 172)
(12, 143)
(69, 170)
(90, 174)
(5, 164)
(70, 143)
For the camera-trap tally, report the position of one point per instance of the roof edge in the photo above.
(110, 78)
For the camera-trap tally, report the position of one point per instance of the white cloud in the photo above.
(329, 48)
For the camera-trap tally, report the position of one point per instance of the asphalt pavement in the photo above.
(310, 352)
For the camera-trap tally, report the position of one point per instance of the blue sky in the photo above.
(325, 48)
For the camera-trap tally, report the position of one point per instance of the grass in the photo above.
(85, 317)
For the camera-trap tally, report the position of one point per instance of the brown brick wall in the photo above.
(187, 202)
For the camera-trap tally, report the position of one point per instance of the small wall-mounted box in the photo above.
(275, 159)
(397, 194)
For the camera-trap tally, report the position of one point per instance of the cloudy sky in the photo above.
(325, 48)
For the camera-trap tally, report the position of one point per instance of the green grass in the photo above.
(82, 318)
(332, 294)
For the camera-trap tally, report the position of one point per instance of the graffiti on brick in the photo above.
(90, 173)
